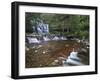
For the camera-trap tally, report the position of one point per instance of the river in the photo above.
(55, 53)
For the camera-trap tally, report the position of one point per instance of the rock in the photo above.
(33, 47)
(55, 62)
(39, 46)
(44, 52)
(83, 50)
(36, 50)
(26, 48)
(66, 45)
(61, 58)
(78, 40)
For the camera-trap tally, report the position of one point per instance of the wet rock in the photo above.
(55, 62)
(44, 52)
(83, 50)
(39, 46)
(26, 48)
(36, 50)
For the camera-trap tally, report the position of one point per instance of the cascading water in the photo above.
(55, 38)
(63, 38)
(32, 40)
(46, 39)
(41, 27)
(73, 59)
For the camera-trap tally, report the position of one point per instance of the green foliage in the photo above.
(61, 23)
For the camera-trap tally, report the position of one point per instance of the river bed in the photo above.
(53, 53)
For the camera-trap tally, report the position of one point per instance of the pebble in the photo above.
(36, 50)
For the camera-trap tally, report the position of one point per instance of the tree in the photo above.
(65, 24)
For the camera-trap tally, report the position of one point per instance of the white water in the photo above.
(73, 55)
(63, 38)
(55, 38)
(46, 39)
(33, 40)
(73, 59)
(73, 62)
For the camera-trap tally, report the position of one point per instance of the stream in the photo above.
(56, 53)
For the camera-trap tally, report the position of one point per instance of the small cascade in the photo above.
(73, 59)
(55, 38)
(63, 38)
(73, 55)
(33, 40)
(46, 39)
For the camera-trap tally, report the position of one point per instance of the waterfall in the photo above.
(41, 27)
